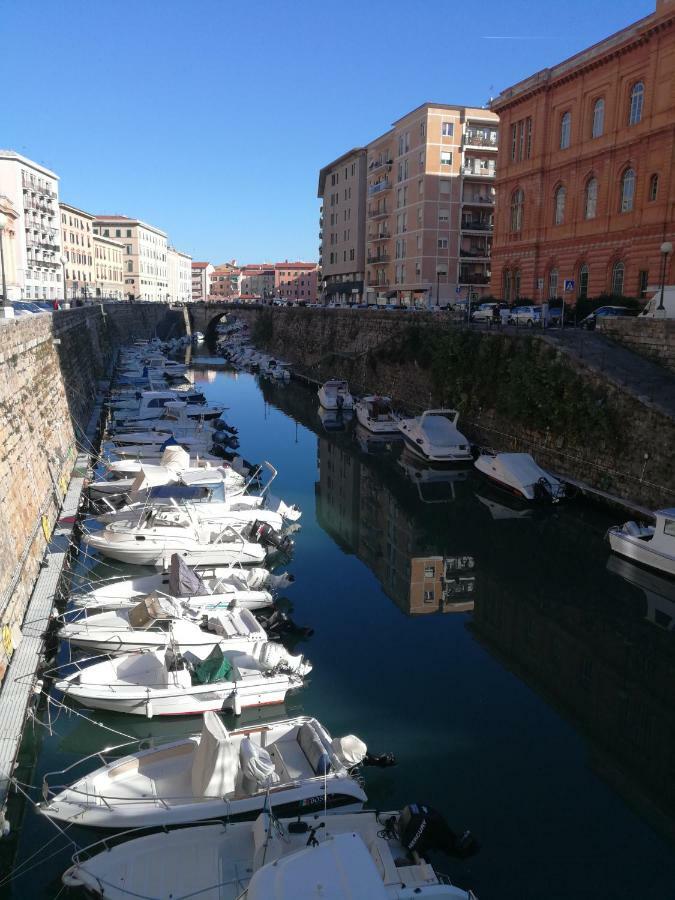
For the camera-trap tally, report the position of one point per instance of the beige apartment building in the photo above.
(429, 206)
(257, 281)
(342, 226)
(179, 276)
(108, 268)
(145, 250)
(201, 281)
(78, 249)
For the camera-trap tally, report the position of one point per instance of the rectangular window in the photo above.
(513, 142)
(643, 281)
(446, 157)
(521, 139)
(442, 243)
(528, 148)
(444, 186)
(443, 215)
(118, 232)
(447, 129)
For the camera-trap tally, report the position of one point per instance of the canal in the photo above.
(522, 678)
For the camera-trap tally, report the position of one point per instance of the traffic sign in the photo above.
(458, 289)
(569, 284)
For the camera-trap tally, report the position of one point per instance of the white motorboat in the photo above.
(208, 512)
(290, 763)
(334, 394)
(212, 588)
(162, 683)
(162, 533)
(150, 404)
(376, 414)
(159, 621)
(435, 437)
(139, 484)
(648, 545)
(521, 475)
(354, 856)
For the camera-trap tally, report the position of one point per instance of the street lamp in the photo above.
(666, 248)
(64, 260)
(7, 309)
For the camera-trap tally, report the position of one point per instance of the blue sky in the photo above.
(211, 119)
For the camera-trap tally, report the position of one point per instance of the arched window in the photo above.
(627, 190)
(654, 187)
(591, 200)
(637, 97)
(565, 129)
(559, 213)
(517, 199)
(618, 272)
(516, 284)
(582, 288)
(552, 284)
(598, 126)
(507, 284)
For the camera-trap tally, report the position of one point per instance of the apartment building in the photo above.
(586, 183)
(179, 275)
(33, 240)
(201, 281)
(296, 281)
(9, 215)
(257, 281)
(78, 249)
(342, 226)
(145, 264)
(429, 206)
(108, 268)
(225, 281)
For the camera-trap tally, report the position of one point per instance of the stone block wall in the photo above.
(600, 434)
(50, 365)
(653, 338)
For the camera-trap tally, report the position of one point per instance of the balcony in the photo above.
(377, 284)
(380, 236)
(475, 139)
(374, 213)
(378, 258)
(477, 255)
(477, 226)
(478, 172)
(379, 187)
(379, 163)
(478, 200)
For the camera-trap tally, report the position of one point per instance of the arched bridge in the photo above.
(205, 316)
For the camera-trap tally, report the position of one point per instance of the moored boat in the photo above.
(648, 545)
(435, 437)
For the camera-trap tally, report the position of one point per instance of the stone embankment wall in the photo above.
(513, 391)
(653, 338)
(50, 366)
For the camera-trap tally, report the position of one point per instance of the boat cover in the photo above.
(176, 458)
(183, 581)
(441, 432)
(215, 667)
(151, 608)
(349, 749)
(256, 763)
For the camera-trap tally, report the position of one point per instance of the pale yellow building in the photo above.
(77, 251)
(108, 268)
(179, 272)
(429, 206)
(145, 256)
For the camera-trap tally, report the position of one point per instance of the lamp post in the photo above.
(666, 248)
(7, 309)
(64, 260)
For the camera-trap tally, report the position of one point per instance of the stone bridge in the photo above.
(205, 316)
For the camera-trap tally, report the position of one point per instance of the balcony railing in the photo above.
(474, 254)
(478, 172)
(480, 140)
(378, 163)
(377, 284)
(37, 187)
(374, 213)
(479, 200)
(379, 187)
(380, 236)
(379, 258)
(477, 226)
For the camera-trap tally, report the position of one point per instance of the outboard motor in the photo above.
(279, 623)
(380, 760)
(268, 537)
(221, 425)
(423, 828)
(542, 490)
(340, 400)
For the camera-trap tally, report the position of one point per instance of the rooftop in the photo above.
(103, 219)
(355, 151)
(75, 209)
(12, 154)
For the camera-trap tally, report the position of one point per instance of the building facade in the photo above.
(10, 251)
(145, 266)
(108, 268)
(429, 206)
(296, 281)
(201, 281)
(179, 275)
(32, 192)
(78, 249)
(257, 281)
(585, 183)
(225, 281)
(342, 227)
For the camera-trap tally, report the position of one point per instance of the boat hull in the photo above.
(459, 458)
(638, 551)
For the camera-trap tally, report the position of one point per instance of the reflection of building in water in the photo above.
(205, 376)
(363, 515)
(608, 668)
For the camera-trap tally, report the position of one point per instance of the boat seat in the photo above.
(216, 763)
(289, 760)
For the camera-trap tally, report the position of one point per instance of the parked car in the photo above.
(485, 312)
(525, 315)
(603, 312)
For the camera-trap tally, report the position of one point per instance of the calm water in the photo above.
(523, 680)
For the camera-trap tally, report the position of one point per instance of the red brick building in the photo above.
(585, 173)
(296, 280)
